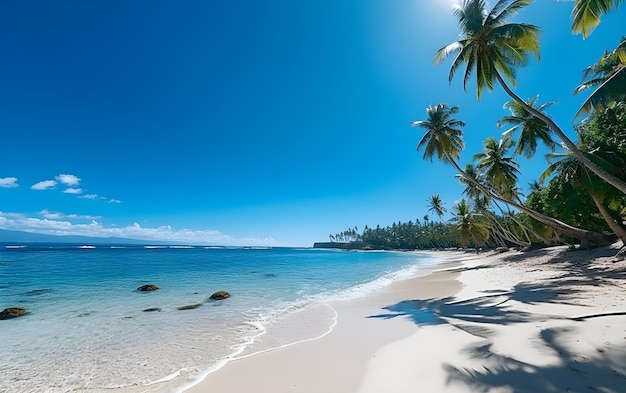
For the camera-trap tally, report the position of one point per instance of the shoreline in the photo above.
(294, 357)
(110, 344)
(544, 320)
(344, 302)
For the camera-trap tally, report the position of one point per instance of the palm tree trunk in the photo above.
(601, 173)
(615, 227)
(526, 230)
(586, 238)
(505, 233)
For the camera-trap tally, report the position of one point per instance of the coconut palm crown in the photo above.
(530, 127)
(490, 46)
(444, 137)
(498, 167)
(437, 205)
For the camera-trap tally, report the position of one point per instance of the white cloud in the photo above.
(71, 181)
(98, 197)
(51, 226)
(8, 182)
(50, 215)
(68, 180)
(58, 216)
(71, 190)
(83, 217)
(44, 185)
(91, 196)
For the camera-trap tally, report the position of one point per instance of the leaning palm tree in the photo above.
(437, 205)
(531, 128)
(470, 179)
(504, 228)
(586, 14)
(500, 169)
(469, 224)
(444, 139)
(608, 77)
(571, 171)
(444, 136)
(492, 48)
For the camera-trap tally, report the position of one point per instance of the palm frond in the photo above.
(586, 14)
(443, 53)
(470, 61)
(501, 12)
(613, 89)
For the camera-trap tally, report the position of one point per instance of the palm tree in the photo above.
(570, 170)
(444, 138)
(470, 179)
(535, 185)
(469, 224)
(497, 167)
(437, 205)
(531, 127)
(501, 231)
(608, 76)
(586, 14)
(493, 48)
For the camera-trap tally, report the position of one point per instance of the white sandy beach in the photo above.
(541, 321)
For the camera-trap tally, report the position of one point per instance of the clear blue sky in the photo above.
(245, 122)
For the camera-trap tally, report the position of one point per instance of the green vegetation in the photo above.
(406, 236)
(584, 200)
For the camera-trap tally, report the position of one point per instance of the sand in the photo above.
(548, 320)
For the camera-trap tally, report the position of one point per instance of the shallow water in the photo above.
(86, 329)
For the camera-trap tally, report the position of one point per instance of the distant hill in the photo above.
(27, 237)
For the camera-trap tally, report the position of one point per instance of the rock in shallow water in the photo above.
(12, 312)
(152, 309)
(220, 295)
(189, 307)
(148, 288)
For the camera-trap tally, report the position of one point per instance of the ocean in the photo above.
(86, 329)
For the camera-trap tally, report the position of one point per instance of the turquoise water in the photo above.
(86, 329)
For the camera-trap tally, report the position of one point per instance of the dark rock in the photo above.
(220, 295)
(148, 288)
(189, 307)
(152, 309)
(12, 312)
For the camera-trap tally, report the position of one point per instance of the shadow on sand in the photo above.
(605, 371)
(491, 308)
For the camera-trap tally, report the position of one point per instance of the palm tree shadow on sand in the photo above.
(491, 308)
(603, 372)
